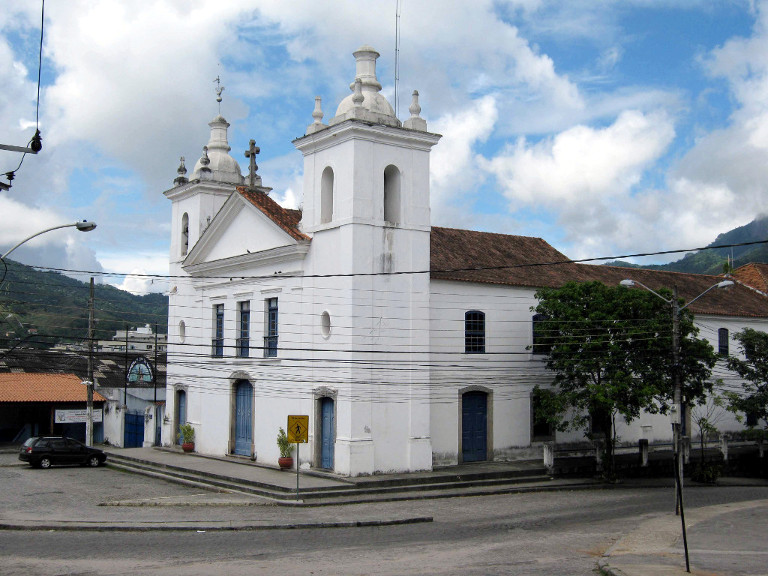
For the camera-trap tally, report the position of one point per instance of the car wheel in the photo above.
(93, 461)
(44, 462)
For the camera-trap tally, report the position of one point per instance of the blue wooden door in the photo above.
(243, 418)
(474, 427)
(326, 433)
(181, 413)
(134, 430)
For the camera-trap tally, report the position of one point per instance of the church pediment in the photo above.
(250, 227)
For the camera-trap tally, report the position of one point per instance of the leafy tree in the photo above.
(610, 351)
(753, 402)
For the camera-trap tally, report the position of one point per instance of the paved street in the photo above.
(564, 532)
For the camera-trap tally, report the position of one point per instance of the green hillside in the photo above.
(55, 308)
(712, 261)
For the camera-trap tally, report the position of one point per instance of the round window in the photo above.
(325, 324)
(182, 331)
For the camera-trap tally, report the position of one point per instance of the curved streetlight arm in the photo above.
(83, 226)
(629, 283)
(723, 284)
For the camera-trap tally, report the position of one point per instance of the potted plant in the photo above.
(187, 437)
(286, 449)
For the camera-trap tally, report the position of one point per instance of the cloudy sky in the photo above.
(605, 127)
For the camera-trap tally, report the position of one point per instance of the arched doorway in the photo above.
(181, 413)
(474, 426)
(327, 433)
(243, 418)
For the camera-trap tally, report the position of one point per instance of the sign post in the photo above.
(298, 432)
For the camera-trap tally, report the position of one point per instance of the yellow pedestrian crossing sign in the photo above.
(298, 429)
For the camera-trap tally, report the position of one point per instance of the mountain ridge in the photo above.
(712, 260)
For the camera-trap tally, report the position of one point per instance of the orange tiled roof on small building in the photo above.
(28, 387)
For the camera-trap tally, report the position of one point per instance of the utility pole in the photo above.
(89, 420)
(155, 423)
(677, 414)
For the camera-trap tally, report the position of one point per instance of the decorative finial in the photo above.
(357, 98)
(205, 171)
(219, 90)
(181, 179)
(317, 114)
(414, 108)
(415, 122)
(253, 178)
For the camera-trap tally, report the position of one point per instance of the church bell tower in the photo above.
(366, 206)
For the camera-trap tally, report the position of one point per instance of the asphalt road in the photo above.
(561, 533)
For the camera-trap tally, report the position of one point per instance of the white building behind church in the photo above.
(407, 345)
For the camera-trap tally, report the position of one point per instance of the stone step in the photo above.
(380, 488)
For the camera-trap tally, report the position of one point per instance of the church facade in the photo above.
(406, 344)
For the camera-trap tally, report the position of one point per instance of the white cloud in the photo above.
(582, 164)
(454, 173)
(137, 283)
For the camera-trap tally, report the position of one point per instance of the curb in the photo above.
(607, 570)
(80, 527)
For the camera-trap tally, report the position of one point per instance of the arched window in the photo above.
(392, 194)
(184, 234)
(722, 341)
(474, 332)
(326, 196)
(539, 341)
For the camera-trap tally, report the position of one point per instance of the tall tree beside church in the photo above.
(610, 351)
(753, 401)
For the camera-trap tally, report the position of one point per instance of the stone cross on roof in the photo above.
(253, 178)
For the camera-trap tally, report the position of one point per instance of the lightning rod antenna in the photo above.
(397, 56)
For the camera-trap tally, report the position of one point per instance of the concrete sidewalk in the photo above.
(723, 540)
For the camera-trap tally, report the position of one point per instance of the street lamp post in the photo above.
(677, 408)
(83, 226)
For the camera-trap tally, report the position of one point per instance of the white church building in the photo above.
(407, 345)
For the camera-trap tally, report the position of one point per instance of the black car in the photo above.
(43, 451)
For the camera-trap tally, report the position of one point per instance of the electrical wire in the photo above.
(232, 277)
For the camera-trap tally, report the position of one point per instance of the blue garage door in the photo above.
(134, 430)
(243, 418)
(474, 427)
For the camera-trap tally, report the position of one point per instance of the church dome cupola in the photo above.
(223, 168)
(373, 106)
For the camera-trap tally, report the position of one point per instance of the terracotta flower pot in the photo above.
(285, 463)
(188, 446)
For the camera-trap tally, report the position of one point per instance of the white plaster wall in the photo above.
(507, 368)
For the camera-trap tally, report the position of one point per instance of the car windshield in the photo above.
(30, 441)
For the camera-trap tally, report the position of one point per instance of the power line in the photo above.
(406, 272)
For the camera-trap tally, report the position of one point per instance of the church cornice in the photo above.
(195, 186)
(360, 130)
(235, 265)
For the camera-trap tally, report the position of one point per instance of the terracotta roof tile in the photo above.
(754, 275)
(287, 219)
(28, 387)
(483, 257)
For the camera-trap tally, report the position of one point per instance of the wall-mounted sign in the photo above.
(75, 416)
(140, 372)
